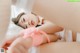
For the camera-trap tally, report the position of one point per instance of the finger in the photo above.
(5, 45)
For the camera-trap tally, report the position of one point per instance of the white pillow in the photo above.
(13, 30)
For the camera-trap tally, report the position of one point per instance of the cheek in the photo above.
(21, 24)
(26, 18)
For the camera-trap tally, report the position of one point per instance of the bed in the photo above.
(65, 14)
(52, 9)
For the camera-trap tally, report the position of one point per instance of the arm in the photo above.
(50, 27)
(8, 41)
(59, 47)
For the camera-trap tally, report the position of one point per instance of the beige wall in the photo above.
(4, 16)
(63, 13)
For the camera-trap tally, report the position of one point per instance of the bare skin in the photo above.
(18, 44)
(67, 47)
(31, 20)
(48, 27)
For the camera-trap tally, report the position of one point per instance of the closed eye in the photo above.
(26, 26)
(23, 20)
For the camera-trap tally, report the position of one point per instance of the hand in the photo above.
(20, 45)
(7, 42)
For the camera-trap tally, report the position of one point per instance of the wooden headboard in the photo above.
(61, 12)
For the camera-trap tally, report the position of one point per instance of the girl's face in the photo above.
(28, 20)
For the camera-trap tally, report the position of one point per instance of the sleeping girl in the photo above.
(37, 31)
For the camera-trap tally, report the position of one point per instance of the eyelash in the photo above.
(23, 19)
(26, 26)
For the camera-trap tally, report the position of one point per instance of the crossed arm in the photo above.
(50, 27)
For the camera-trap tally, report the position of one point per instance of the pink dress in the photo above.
(36, 34)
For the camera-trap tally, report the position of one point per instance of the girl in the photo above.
(32, 20)
(43, 33)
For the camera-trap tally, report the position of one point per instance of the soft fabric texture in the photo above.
(35, 34)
